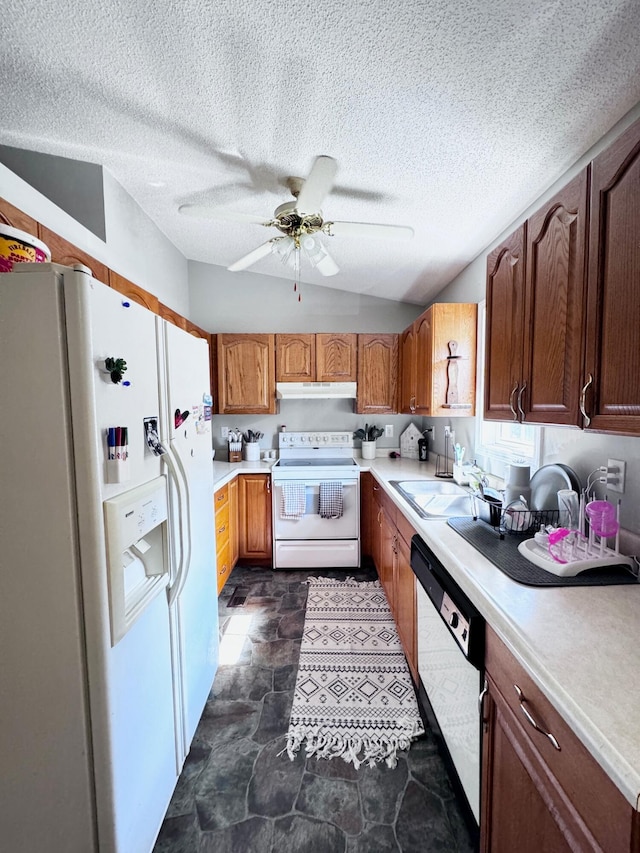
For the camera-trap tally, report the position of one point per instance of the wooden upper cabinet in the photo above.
(295, 358)
(64, 252)
(505, 328)
(439, 361)
(197, 331)
(408, 370)
(554, 307)
(172, 316)
(15, 218)
(612, 364)
(323, 357)
(336, 357)
(134, 292)
(377, 374)
(246, 374)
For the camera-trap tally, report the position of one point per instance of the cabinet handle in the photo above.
(483, 693)
(583, 394)
(520, 393)
(222, 529)
(515, 414)
(412, 403)
(268, 484)
(530, 719)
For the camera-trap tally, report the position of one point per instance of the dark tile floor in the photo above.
(238, 793)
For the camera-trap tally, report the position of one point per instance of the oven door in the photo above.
(311, 541)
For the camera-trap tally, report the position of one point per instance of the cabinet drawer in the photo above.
(222, 525)
(223, 564)
(585, 785)
(220, 498)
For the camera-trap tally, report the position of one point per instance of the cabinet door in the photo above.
(64, 252)
(367, 514)
(246, 374)
(171, 316)
(295, 358)
(536, 796)
(504, 332)
(377, 374)
(555, 307)
(387, 558)
(336, 357)
(613, 303)
(408, 370)
(254, 512)
(405, 604)
(15, 218)
(424, 373)
(134, 292)
(233, 522)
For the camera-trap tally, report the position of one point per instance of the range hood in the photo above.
(317, 390)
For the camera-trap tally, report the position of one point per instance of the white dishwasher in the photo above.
(450, 667)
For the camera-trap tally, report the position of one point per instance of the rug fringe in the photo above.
(325, 745)
(348, 581)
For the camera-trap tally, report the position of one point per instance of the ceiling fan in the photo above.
(300, 222)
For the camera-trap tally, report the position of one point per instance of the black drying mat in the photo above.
(504, 554)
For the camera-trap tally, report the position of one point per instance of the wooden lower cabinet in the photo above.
(233, 522)
(221, 507)
(405, 594)
(391, 551)
(254, 519)
(536, 797)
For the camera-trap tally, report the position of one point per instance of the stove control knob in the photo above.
(326, 438)
(454, 620)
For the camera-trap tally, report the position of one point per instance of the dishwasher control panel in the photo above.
(458, 625)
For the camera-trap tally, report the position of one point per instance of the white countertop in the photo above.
(581, 645)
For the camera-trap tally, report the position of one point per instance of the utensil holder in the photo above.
(251, 451)
(368, 450)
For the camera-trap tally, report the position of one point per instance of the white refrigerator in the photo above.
(108, 603)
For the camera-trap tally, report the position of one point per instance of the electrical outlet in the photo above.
(388, 431)
(224, 432)
(616, 471)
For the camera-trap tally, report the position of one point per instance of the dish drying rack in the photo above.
(520, 521)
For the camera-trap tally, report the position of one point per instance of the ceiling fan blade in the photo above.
(317, 184)
(205, 211)
(253, 257)
(369, 229)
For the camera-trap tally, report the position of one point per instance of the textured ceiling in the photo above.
(450, 116)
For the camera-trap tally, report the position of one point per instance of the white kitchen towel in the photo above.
(330, 503)
(294, 500)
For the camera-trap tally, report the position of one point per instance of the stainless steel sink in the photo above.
(434, 500)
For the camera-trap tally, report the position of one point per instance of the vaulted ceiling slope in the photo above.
(451, 117)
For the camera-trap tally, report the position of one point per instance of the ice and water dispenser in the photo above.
(136, 535)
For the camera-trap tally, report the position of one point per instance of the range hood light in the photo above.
(317, 390)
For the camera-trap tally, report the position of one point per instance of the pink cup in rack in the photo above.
(602, 518)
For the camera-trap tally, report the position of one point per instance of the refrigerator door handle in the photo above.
(184, 520)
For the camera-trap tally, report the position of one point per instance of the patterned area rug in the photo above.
(354, 697)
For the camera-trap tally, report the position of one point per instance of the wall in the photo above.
(223, 301)
(581, 451)
(135, 247)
